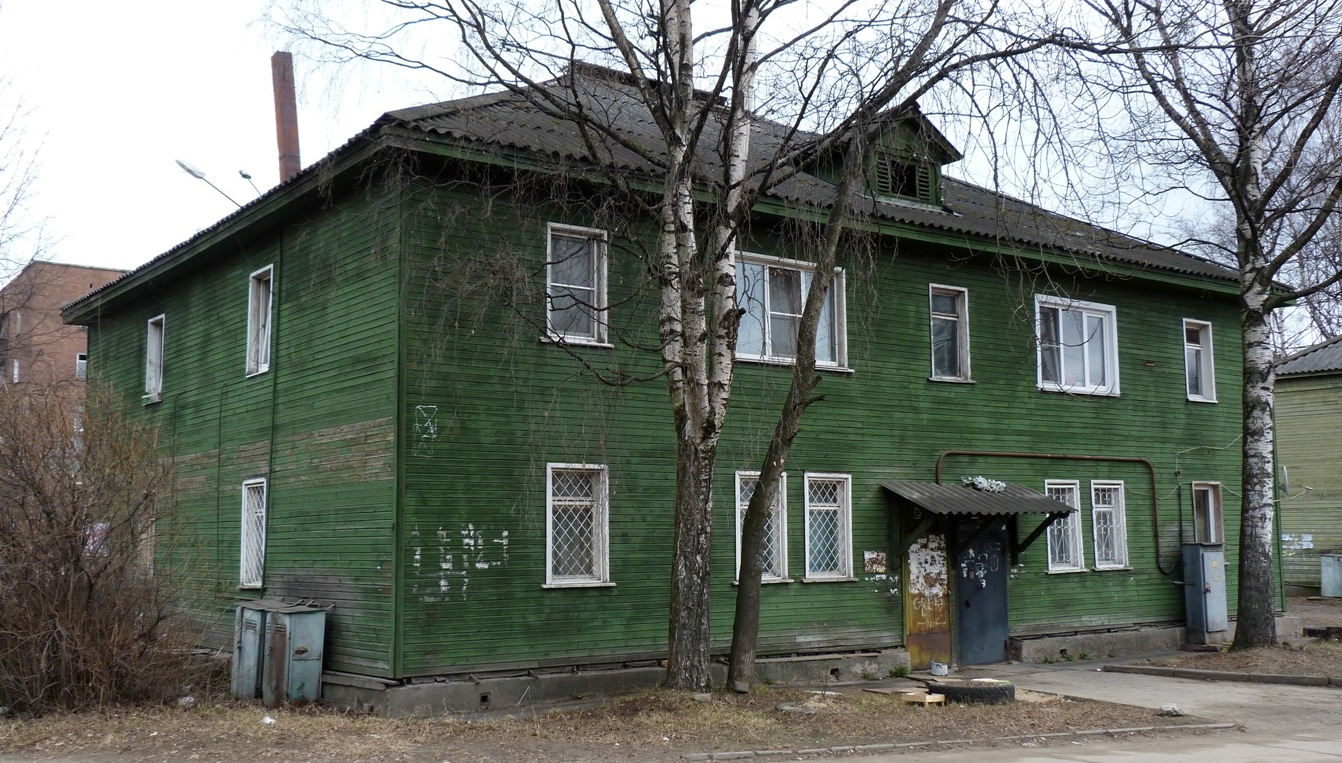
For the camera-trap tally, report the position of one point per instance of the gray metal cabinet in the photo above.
(277, 652)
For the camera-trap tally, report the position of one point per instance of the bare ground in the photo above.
(655, 726)
(1314, 658)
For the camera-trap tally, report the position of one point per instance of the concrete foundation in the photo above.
(1097, 645)
(471, 694)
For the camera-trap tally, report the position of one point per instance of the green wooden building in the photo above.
(378, 384)
(1309, 452)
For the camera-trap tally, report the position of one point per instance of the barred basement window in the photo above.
(259, 307)
(253, 536)
(1065, 551)
(775, 529)
(828, 529)
(1109, 525)
(576, 525)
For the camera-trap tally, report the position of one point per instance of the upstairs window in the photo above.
(253, 536)
(950, 333)
(259, 299)
(1065, 552)
(576, 526)
(772, 292)
(1078, 346)
(1109, 525)
(575, 291)
(153, 361)
(1207, 517)
(1198, 370)
(775, 528)
(81, 366)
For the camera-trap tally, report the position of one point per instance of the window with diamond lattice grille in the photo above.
(576, 525)
(775, 530)
(253, 533)
(828, 532)
(1111, 542)
(1065, 552)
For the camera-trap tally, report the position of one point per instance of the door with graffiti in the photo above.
(927, 622)
(981, 596)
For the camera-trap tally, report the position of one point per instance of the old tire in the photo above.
(990, 692)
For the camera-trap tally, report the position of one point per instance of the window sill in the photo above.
(1199, 399)
(150, 399)
(1077, 392)
(576, 341)
(789, 362)
(258, 372)
(951, 380)
(768, 581)
(835, 579)
(250, 587)
(589, 584)
(1119, 568)
(1067, 571)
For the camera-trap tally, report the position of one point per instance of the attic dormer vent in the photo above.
(900, 176)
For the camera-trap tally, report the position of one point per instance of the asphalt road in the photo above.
(1299, 724)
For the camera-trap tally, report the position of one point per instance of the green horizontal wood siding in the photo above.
(1309, 458)
(488, 403)
(319, 425)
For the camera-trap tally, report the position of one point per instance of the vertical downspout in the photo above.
(398, 451)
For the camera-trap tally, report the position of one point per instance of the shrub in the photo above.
(84, 621)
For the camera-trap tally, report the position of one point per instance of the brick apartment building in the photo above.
(36, 346)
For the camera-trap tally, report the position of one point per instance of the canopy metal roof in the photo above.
(959, 500)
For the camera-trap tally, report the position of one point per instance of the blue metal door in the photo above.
(981, 595)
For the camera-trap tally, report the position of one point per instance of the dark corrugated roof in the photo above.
(962, 500)
(634, 143)
(1321, 358)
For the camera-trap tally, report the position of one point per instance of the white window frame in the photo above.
(81, 366)
(1206, 366)
(1120, 562)
(807, 270)
(1044, 302)
(260, 319)
(778, 517)
(1216, 522)
(153, 358)
(252, 568)
(598, 240)
(961, 318)
(600, 529)
(1069, 526)
(845, 572)
(14, 370)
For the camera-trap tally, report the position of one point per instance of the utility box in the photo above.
(1205, 593)
(1330, 575)
(277, 652)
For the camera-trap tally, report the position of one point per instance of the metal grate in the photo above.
(826, 533)
(576, 502)
(253, 532)
(774, 560)
(1064, 535)
(1110, 544)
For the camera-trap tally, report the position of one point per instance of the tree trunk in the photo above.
(687, 661)
(1257, 625)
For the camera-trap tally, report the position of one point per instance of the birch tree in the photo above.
(835, 74)
(1240, 99)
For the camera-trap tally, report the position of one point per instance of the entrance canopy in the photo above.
(960, 500)
(936, 506)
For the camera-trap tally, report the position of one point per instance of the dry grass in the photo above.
(1320, 658)
(654, 726)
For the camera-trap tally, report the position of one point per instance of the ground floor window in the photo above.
(1110, 531)
(1066, 552)
(828, 527)
(775, 530)
(576, 525)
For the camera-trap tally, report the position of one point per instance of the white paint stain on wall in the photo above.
(463, 550)
(426, 430)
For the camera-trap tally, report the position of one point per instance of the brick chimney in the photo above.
(286, 113)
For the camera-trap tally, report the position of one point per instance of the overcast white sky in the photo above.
(117, 91)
